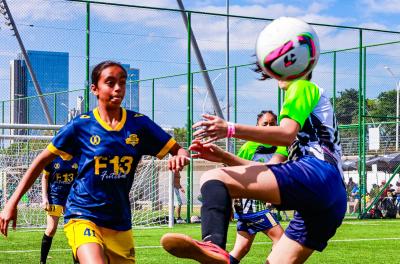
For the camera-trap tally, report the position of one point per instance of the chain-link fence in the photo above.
(167, 82)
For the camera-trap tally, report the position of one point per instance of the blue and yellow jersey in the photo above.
(108, 160)
(61, 174)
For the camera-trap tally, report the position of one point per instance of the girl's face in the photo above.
(110, 89)
(266, 120)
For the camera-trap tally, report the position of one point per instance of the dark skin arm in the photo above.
(9, 212)
(180, 158)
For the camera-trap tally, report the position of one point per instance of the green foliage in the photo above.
(180, 134)
(356, 242)
(384, 105)
(24, 147)
(347, 107)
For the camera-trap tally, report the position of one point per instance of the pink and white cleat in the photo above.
(183, 246)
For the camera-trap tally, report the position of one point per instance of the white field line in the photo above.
(366, 223)
(257, 243)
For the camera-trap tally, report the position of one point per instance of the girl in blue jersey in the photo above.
(310, 182)
(110, 142)
(57, 180)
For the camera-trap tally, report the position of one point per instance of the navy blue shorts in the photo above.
(256, 222)
(315, 189)
(56, 199)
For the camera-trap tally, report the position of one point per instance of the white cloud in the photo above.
(5, 53)
(382, 6)
(210, 31)
(37, 10)
(373, 25)
(4, 73)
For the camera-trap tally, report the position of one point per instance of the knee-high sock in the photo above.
(233, 260)
(215, 212)
(46, 245)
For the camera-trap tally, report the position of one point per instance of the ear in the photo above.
(94, 89)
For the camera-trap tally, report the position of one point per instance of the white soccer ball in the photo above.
(287, 49)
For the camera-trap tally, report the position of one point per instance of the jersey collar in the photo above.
(105, 125)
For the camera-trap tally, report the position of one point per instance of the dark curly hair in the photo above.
(103, 65)
(263, 112)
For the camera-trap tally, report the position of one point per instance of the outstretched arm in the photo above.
(212, 152)
(9, 212)
(45, 199)
(214, 128)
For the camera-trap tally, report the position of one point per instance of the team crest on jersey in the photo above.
(75, 166)
(95, 140)
(56, 165)
(84, 116)
(132, 140)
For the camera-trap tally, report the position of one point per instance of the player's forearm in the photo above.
(44, 186)
(273, 135)
(233, 160)
(182, 152)
(30, 176)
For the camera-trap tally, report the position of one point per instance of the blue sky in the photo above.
(155, 42)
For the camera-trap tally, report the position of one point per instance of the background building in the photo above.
(131, 100)
(17, 90)
(52, 71)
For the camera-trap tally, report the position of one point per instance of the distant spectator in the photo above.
(349, 187)
(374, 190)
(367, 199)
(355, 193)
(178, 189)
(397, 189)
(387, 189)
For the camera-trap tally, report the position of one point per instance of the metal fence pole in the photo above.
(189, 120)
(87, 85)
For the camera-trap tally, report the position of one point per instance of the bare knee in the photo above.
(91, 253)
(51, 228)
(215, 174)
(289, 251)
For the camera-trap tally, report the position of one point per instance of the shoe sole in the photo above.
(183, 246)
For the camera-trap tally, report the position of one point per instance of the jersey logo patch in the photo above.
(84, 116)
(56, 166)
(75, 165)
(132, 140)
(138, 115)
(95, 140)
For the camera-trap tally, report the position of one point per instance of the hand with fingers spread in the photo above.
(211, 129)
(8, 214)
(207, 151)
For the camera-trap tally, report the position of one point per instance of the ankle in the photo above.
(233, 260)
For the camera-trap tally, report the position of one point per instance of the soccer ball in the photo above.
(287, 49)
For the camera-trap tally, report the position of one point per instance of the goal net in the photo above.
(149, 196)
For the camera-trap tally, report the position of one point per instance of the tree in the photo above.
(383, 110)
(347, 107)
(384, 105)
(180, 135)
